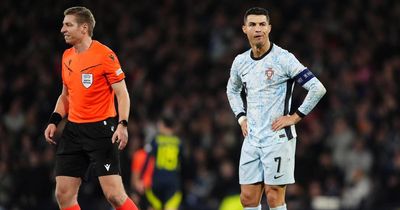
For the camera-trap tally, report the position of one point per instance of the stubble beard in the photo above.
(259, 45)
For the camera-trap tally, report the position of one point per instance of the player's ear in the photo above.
(85, 28)
(244, 29)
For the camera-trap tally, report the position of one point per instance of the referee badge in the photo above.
(87, 80)
(269, 73)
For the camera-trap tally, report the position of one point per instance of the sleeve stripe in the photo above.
(303, 77)
(300, 114)
(240, 114)
(119, 71)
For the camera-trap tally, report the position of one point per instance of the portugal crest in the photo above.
(269, 73)
(87, 80)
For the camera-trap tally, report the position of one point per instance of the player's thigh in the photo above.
(112, 184)
(278, 163)
(252, 191)
(250, 166)
(275, 194)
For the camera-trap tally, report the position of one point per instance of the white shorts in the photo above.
(273, 165)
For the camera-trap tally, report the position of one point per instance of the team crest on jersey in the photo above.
(87, 80)
(269, 73)
(112, 57)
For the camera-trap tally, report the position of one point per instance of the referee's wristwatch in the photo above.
(123, 123)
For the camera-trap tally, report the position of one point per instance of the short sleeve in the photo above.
(63, 68)
(112, 68)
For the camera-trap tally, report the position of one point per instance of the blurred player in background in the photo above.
(267, 74)
(91, 76)
(142, 168)
(166, 148)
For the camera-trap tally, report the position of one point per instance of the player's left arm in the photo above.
(307, 80)
(121, 133)
(316, 91)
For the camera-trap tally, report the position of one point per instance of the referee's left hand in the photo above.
(120, 136)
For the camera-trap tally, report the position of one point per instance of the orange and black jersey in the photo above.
(88, 77)
(143, 165)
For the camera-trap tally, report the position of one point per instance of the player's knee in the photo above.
(248, 199)
(115, 198)
(275, 197)
(64, 195)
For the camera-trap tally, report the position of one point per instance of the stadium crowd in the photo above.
(177, 55)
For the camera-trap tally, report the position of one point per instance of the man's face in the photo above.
(72, 31)
(257, 29)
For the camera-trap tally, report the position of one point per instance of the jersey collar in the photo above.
(261, 57)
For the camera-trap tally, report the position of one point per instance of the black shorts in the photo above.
(164, 188)
(84, 144)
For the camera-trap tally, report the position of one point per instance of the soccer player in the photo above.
(166, 148)
(91, 76)
(267, 73)
(142, 168)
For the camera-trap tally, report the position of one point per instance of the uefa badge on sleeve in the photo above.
(269, 73)
(87, 80)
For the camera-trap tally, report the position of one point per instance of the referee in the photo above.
(91, 76)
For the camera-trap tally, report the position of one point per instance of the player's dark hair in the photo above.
(168, 121)
(256, 11)
(83, 15)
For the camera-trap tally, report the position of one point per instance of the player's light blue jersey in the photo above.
(268, 82)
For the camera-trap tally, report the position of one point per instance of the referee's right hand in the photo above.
(49, 133)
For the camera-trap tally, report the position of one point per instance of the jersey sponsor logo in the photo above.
(269, 73)
(107, 166)
(87, 80)
(277, 177)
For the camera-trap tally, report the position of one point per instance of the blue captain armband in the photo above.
(303, 77)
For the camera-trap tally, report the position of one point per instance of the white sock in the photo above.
(283, 207)
(253, 208)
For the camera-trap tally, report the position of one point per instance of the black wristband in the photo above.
(240, 114)
(300, 114)
(55, 118)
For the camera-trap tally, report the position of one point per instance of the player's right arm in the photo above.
(233, 90)
(60, 111)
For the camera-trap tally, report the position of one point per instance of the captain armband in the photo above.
(303, 77)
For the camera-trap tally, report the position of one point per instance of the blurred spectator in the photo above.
(356, 191)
